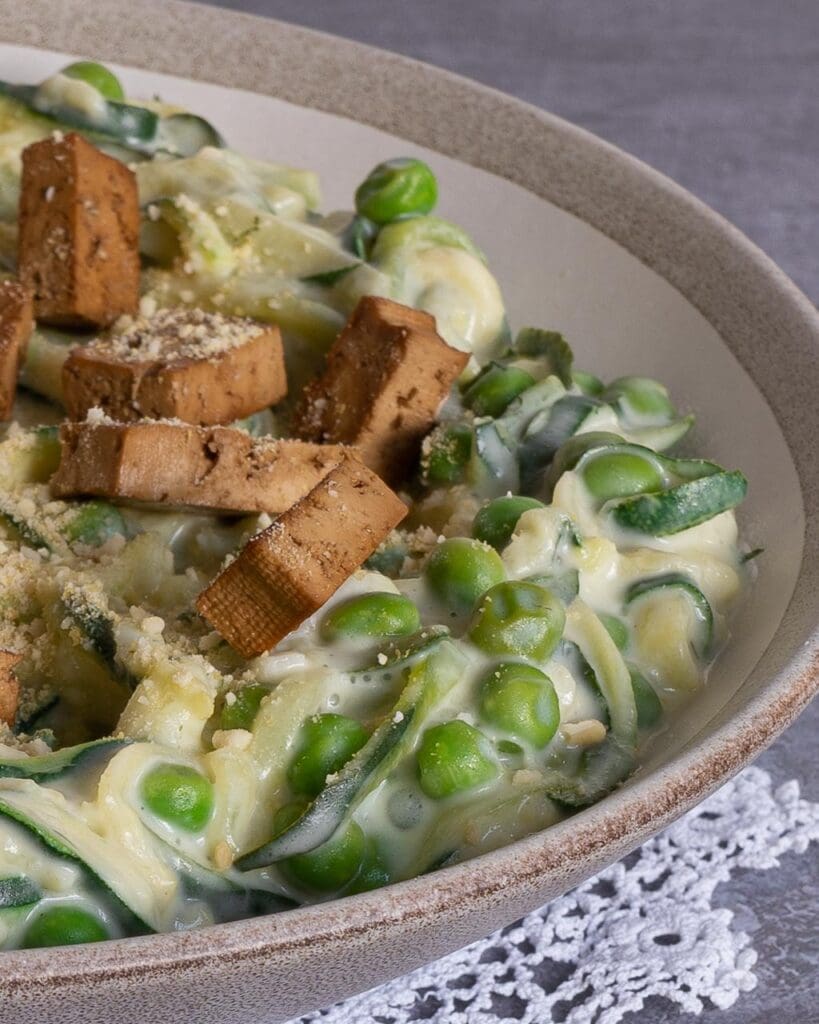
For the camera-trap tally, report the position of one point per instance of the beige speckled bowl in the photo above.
(642, 278)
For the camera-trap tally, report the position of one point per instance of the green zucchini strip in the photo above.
(48, 767)
(601, 769)
(133, 127)
(427, 683)
(18, 891)
(586, 630)
(549, 345)
(679, 508)
(97, 624)
(702, 607)
(41, 813)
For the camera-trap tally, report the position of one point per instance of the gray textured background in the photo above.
(723, 96)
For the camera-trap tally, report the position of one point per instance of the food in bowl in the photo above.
(315, 577)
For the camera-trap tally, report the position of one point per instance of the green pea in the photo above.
(64, 926)
(403, 238)
(498, 385)
(518, 618)
(521, 700)
(179, 795)
(288, 814)
(94, 523)
(241, 714)
(327, 744)
(104, 81)
(373, 874)
(460, 570)
(376, 615)
(332, 865)
(496, 522)
(572, 451)
(642, 397)
(446, 454)
(616, 629)
(649, 707)
(454, 757)
(397, 188)
(588, 383)
(619, 474)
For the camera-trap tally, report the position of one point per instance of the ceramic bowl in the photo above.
(641, 277)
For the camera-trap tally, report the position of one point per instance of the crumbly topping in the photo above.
(459, 523)
(419, 544)
(175, 333)
(97, 418)
(587, 733)
(527, 777)
(222, 856)
(147, 306)
(232, 739)
(12, 745)
(29, 515)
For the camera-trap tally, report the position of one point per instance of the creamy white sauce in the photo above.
(461, 294)
(62, 91)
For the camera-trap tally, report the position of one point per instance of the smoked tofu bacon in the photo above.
(386, 377)
(9, 687)
(186, 364)
(16, 323)
(78, 233)
(287, 572)
(179, 465)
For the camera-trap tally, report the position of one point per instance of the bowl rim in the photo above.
(626, 200)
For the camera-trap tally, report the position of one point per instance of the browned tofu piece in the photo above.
(288, 571)
(182, 364)
(9, 687)
(16, 323)
(217, 468)
(386, 376)
(78, 235)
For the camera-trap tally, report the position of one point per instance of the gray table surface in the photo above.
(723, 96)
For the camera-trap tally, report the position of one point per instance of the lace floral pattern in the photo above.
(643, 927)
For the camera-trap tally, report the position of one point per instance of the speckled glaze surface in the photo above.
(273, 968)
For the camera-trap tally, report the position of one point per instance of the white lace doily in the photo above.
(643, 927)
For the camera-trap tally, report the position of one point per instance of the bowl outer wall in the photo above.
(316, 954)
